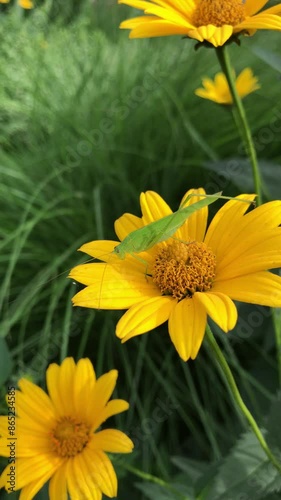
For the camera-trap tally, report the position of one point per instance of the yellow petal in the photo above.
(170, 15)
(99, 249)
(102, 472)
(246, 82)
(268, 214)
(221, 35)
(126, 224)
(134, 22)
(144, 317)
(219, 307)
(27, 410)
(112, 408)
(28, 443)
(153, 207)
(25, 427)
(116, 292)
(276, 9)
(57, 485)
(103, 390)
(53, 384)
(195, 226)
(83, 389)
(67, 375)
(186, 7)
(112, 441)
(226, 225)
(243, 232)
(88, 274)
(260, 254)
(261, 21)
(88, 487)
(187, 325)
(154, 28)
(45, 409)
(30, 490)
(137, 4)
(216, 36)
(42, 467)
(262, 288)
(217, 90)
(253, 6)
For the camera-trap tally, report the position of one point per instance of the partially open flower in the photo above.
(217, 90)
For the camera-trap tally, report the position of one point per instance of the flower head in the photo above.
(214, 21)
(218, 90)
(194, 274)
(56, 436)
(26, 4)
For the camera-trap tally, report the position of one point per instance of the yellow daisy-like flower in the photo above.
(185, 278)
(55, 437)
(217, 90)
(214, 21)
(26, 4)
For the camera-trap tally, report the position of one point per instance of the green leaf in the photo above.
(245, 471)
(197, 473)
(273, 424)
(154, 491)
(267, 56)
(238, 170)
(192, 468)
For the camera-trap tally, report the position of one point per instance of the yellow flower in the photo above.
(55, 437)
(212, 20)
(185, 278)
(218, 90)
(4, 1)
(26, 4)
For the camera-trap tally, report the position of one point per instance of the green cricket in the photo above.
(146, 237)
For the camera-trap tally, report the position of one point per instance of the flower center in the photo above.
(69, 437)
(181, 269)
(219, 12)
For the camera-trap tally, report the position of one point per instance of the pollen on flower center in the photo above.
(181, 269)
(69, 437)
(219, 12)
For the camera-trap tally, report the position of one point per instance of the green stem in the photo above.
(234, 391)
(244, 128)
(156, 480)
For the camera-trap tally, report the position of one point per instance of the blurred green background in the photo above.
(88, 120)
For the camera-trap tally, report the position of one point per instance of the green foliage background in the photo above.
(88, 120)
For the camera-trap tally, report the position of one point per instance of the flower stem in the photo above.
(244, 128)
(234, 391)
(156, 480)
